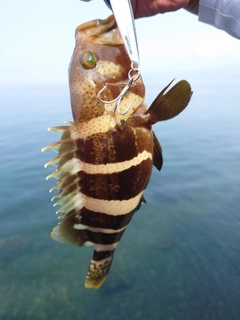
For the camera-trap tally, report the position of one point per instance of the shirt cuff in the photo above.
(221, 16)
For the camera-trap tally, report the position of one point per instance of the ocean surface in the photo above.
(179, 258)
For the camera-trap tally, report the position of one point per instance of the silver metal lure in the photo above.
(123, 14)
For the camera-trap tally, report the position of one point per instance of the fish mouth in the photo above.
(100, 31)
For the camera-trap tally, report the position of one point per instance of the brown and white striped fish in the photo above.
(105, 156)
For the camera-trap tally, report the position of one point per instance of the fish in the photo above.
(106, 154)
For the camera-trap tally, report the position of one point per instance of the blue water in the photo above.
(179, 258)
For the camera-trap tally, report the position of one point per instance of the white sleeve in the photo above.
(222, 14)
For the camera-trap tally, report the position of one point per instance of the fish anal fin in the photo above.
(98, 269)
(157, 153)
(170, 104)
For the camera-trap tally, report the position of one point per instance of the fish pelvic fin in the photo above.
(99, 268)
(157, 153)
(170, 104)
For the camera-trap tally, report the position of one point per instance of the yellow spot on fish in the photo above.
(108, 67)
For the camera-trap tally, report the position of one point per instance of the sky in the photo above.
(37, 41)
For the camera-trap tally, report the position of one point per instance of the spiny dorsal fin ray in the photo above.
(157, 153)
(170, 104)
(66, 233)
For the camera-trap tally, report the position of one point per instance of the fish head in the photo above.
(100, 61)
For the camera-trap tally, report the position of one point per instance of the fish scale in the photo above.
(105, 156)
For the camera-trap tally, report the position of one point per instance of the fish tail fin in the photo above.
(99, 268)
(170, 104)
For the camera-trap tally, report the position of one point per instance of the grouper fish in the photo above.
(105, 156)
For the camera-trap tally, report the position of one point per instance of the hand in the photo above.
(146, 8)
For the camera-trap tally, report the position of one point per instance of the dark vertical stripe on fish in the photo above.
(101, 255)
(114, 146)
(114, 186)
(102, 220)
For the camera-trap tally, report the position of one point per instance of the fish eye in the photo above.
(88, 59)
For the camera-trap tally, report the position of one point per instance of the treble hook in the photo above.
(119, 98)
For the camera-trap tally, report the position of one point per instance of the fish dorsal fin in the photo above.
(170, 104)
(157, 153)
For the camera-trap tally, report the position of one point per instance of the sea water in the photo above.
(179, 258)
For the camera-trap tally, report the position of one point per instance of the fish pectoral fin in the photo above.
(98, 269)
(170, 104)
(157, 153)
